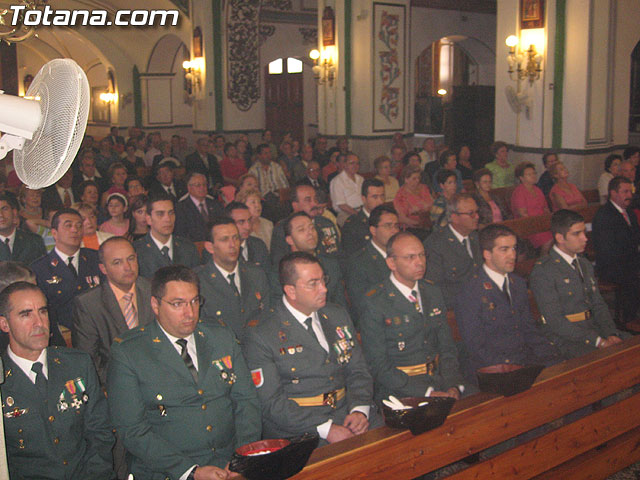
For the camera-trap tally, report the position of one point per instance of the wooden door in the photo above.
(284, 104)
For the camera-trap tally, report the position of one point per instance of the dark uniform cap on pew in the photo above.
(506, 379)
(284, 459)
(419, 419)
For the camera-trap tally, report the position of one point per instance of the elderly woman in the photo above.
(448, 185)
(30, 203)
(528, 200)
(383, 173)
(564, 194)
(490, 208)
(91, 237)
(503, 171)
(611, 169)
(89, 192)
(413, 201)
(117, 207)
(260, 227)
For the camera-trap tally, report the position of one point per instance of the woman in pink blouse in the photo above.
(232, 166)
(413, 201)
(528, 200)
(564, 194)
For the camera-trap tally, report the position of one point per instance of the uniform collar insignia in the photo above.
(156, 340)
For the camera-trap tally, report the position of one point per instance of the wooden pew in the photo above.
(600, 443)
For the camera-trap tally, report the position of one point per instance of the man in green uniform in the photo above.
(234, 292)
(405, 334)
(302, 236)
(355, 231)
(575, 317)
(56, 422)
(368, 266)
(454, 252)
(180, 394)
(306, 362)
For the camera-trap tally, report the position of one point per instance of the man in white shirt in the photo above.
(346, 189)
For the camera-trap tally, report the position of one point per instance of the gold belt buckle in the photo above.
(330, 399)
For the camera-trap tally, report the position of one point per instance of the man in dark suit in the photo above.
(234, 292)
(368, 267)
(493, 314)
(355, 231)
(15, 244)
(252, 249)
(61, 194)
(113, 136)
(120, 303)
(65, 271)
(616, 238)
(165, 181)
(87, 171)
(56, 422)
(202, 162)
(454, 251)
(306, 362)
(160, 247)
(313, 177)
(196, 210)
(180, 393)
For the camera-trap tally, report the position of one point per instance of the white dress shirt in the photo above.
(160, 245)
(226, 274)
(65, 258)
(25, 365)
(343, 190)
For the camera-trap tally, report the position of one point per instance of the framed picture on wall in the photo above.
(531, 14)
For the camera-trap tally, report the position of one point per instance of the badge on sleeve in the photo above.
(257, 377)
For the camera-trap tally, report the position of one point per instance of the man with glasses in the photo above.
(306, 361)
(313, 177)
(180, 394)
(454, 251)
(196, 210)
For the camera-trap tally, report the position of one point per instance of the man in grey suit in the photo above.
(306, 362)
(454, 252)
(121, 303)
(160, 247)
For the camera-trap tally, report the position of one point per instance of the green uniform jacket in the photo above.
(365, 268)
(355, 232)
(395, 334)
(168, 422)
(69, 437)
(150, 258)
(27, 248)
(286, 361)
(559, 291)
(449, 265)
(328, 240)
(223, 304)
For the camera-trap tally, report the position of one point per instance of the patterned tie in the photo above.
(232, 281)
(505, 289)
(72, 267)
(130, 313)
(187, 358)
(41, 381)
(165, 252)
(67, 198)
(309, 323)
(413, 298)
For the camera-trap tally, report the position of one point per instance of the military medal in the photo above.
(54, 280)
(16, 412)
(299, 348)
(387, 321)
(397, 321)
(223, 363)
(401, 346)
(436, 311)
(291, 350)
(282, 336)
(487, 285)
(10, 401)
(283, 351)
(566, 280)
(54, 262)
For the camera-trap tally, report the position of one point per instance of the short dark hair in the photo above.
(260, 148)
(294, 190)
(376, 214)
(106, 243)
(172, 273)
(289, 219)
(219, 221)
(562, 221)
(12, 272)
(370, 182)
(227, 146)
(407, 156)
(234, 205)
(90, 183)
(394, 238)
(380, 160)
(287, 272)
(192, 174)
(609, 160)
(545, 157)
(489, 234)
(478, 174)
(443, 175)
(444, 157)
(159, 196)
(614, 184)
(11, 200)
(522, 167)
(630, 152)
(132, 178)
(495, 146)
(21, 286)
(55, 221)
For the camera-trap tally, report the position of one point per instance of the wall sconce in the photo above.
(525, 64)
(193, 74)
(324, 69)
(108, 97)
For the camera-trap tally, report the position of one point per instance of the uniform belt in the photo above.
(330, 398)
(579, 317)
(422, 368)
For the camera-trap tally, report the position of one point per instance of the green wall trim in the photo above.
(558, 73)
(347, 66)
(217, 64)
(137, 97)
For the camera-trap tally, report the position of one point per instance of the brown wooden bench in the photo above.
(603, 441)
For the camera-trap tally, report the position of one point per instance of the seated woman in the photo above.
(232, 165)
(260, 227)
(131, 161)
(413, 201)
(611, 169)
(490, 208)
(117, 223)
(89, 193)
(503, 171)
(448, 161)
(332, 167)
(137, 214)
(447, 180)
(564, 194)
(464, 162)
(30, 204)
(117, 175)
(383, 173)
(410, 159)
(528, 200)
(91, 237)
